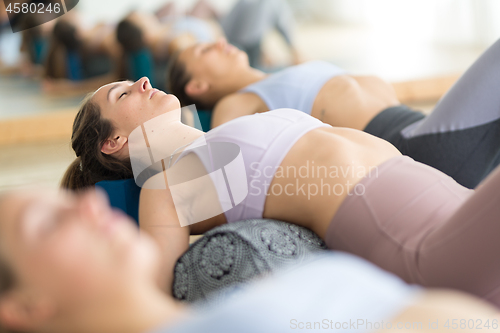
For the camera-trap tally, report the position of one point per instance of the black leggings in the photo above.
(461, 137)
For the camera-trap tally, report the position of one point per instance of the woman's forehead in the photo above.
(14, 204)
(12, 207)
(103, 92)
(105, 89)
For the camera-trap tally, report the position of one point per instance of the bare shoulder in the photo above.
(186, 168)
(234, 106)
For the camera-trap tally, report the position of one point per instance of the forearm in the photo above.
(173, 242)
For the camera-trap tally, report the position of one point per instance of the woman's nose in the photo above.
(222, 43)
(143, 84)
(92, 205)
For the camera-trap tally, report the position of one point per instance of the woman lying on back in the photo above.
(80, 58)
(71, 264)
(218, 75)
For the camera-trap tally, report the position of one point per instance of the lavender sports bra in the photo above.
(264, 140)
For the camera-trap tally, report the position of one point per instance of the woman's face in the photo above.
(128, 105)
(73, 250)
(213, 62)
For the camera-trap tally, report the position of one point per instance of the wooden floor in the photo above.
(22, 98)
(28, 164)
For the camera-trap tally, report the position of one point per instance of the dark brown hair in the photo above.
(65, 33)
(7, 282)
(90, 131)
(55, 61)
(7, 277)
(177, 79)
(31, 33)
(62, 40)
(129, 36)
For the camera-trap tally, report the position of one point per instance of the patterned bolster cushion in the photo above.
(239, 252)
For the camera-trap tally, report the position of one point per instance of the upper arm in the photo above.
(171, 201)
(232, 107)
(158, 217)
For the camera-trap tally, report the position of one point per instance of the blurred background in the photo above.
(421, 46)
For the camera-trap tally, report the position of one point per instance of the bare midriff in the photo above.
(352, 101)
(319, 172)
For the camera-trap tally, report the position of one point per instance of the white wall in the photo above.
(454, 22)
(106, 10)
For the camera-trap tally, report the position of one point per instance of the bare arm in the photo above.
(235, 106)
(424, 90)
(158, 217)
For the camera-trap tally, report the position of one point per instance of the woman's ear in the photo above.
(196, 88)
(114, 145)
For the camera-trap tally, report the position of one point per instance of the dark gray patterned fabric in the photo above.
(239, 252)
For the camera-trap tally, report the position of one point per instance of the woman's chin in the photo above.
(170, 102)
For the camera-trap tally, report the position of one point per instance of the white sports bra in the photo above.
(264, 139)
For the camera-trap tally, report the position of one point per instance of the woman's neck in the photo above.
(247, 77)
(234, 82)
(167, 135)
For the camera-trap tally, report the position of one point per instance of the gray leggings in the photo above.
(420, 224)
(461, 137)
(248, 22)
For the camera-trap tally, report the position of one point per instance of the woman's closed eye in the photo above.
(51, 224)
(122, 95)
(206, 48)
(39, 222)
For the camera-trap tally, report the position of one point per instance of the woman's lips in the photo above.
(116, 229)
(112, 223)
(153, 92)
(230, 48)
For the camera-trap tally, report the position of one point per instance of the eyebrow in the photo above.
(198, 48)
(116, 86)
(111, 89)
(20, 217)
